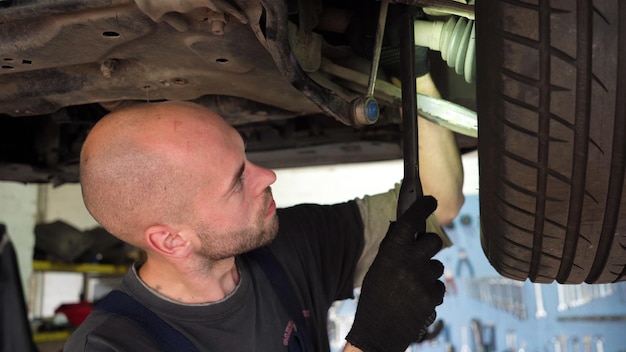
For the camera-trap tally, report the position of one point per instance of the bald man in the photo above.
(173, 179)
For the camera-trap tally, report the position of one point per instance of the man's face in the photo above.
(235, 210)
(245, 235)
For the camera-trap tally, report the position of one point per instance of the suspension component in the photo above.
(365, 109)
(455, 39)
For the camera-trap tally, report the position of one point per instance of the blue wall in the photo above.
(531, 333)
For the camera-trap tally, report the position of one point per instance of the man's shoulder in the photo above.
(104, 331)
(311, 215)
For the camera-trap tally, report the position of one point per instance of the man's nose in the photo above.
(265, 176)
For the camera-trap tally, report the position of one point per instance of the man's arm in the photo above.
(350, 348)
(376, 212)
(441, 174)
(440, 166)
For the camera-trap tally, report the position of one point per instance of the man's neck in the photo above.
(189, 282)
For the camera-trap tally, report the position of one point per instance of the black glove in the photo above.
(401, 289)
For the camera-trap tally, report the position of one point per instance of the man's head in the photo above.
(173, 178)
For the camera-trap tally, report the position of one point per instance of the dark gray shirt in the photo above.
(318, 246)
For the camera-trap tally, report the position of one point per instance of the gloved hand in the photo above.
(401, 289)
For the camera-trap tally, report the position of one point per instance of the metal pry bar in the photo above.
(411, 188)
(378, 44)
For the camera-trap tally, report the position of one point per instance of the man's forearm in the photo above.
(441, 169)
(351, 348)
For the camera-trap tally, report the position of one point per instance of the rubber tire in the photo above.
(552, 138)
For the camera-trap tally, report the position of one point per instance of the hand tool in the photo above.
(477, 332)
(557, 344)
(541, 311)
(464, 340)
(599, 344)
(464, 261)
(510, 341)
(561, 297)
(411, 187)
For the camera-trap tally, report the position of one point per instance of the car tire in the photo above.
(551, 101)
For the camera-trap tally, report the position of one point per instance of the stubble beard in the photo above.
(232, 243)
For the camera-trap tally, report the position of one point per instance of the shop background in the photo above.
(505, 310)
(589, 318)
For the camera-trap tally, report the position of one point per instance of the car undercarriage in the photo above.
(289, 75)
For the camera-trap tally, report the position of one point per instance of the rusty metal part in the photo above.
(39, 76)
(278, 45)
(108, 67)
(168, 11)
(217, 22)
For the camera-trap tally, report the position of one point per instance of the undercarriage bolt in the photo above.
(217, 27)
(217, 22)
(365, 110)
(107, 67)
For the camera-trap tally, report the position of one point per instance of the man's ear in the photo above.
(167, 241)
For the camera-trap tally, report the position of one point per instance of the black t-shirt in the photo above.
(318, 246)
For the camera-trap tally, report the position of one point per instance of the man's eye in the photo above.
(240, 183)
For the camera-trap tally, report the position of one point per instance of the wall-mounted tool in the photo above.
(540, 313)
